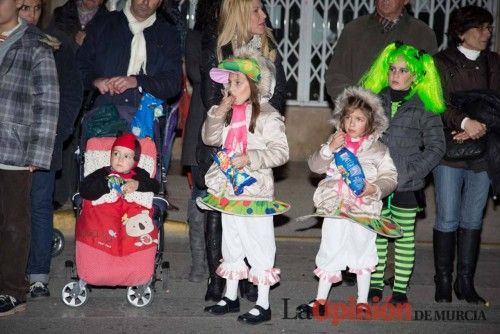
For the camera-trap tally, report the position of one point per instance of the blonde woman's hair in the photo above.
(234, 28)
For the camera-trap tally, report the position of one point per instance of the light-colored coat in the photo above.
(267, 148)
(373, 156)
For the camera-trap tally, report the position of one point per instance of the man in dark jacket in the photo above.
(29, 100)
(364, 38)
(129, 52)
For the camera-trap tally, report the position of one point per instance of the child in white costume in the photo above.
(359, 119)
(252, 133)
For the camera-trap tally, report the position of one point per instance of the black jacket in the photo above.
(95, 184)
(197, 111)
(459, 74)
(70, 94)
(65, 18)
(105, 53)
(415, 139)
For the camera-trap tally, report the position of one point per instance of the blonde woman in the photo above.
(240, 22)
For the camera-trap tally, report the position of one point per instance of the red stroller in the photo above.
(119, 240)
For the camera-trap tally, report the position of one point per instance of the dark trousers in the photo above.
(42, 217)
(15, 229)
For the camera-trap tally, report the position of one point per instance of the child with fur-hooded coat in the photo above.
(374, 157)
(343, 242)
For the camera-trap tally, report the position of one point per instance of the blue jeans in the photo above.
(42, 214)
(461, 196)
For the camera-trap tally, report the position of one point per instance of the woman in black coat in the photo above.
(206, 19)
(461, 185)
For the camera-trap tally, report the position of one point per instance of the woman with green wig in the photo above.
(408, 83)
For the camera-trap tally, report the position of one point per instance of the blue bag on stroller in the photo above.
(149, 109)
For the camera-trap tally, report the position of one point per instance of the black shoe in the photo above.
(348, 278)
(306, 310)
(248, 290)
(375, 296)
(39, 289)
(249, 318)
(464, 289)
(232, 306)
(10, 305)
(399, 298)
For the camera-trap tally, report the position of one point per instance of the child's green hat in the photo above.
(247, 66)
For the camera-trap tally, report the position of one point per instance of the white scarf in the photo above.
(138, 55)
(468, 53)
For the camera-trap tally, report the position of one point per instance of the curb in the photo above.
(64, 221)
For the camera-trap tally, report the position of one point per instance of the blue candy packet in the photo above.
(238, 178)
(149, 109)
(349, 167)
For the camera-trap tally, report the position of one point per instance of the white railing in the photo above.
(307, 30)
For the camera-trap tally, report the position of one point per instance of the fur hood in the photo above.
(267, 71)
(380, 120)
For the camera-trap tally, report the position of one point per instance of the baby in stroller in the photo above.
(123, 175)
(116, 236)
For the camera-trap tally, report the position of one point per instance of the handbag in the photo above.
(463, 150)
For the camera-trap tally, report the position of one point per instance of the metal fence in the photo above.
(307, 30)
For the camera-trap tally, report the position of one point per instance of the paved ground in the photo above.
(180, 308)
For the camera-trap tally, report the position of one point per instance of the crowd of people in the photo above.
(403, 110)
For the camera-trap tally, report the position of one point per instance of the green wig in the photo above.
(426, 84)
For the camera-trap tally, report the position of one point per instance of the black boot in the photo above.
(196, 221)
(248, 290)
(348, 278)
(468, 249)
(213, 238)
(444, 255)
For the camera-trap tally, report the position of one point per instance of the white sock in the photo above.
(262, 299)
(363, 287)
(231, 291)
(323, 289)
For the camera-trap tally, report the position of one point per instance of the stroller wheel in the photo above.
(74, 294)
(57, 242)
(140, 296)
